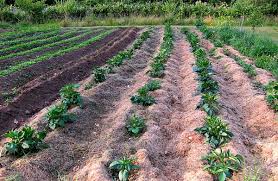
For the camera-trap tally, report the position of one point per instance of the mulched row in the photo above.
(70, 68)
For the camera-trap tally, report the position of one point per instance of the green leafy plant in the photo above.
(58, 116)
(209, 103)
(216, 131)
(223, 163)
(208, 85)
(143, 97)
(247, 68)
(135, 125)
(157, 66)
(153, 85)
(24, 141)
(70, 97)
(272, 94)
(123, 166)
(100, 74)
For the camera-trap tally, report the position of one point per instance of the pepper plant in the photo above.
(216, 131)
(24, 141)
(123, 166)
(223, 163)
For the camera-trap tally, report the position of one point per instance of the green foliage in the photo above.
(70, 97)
(36, 43)
(262, 49)
(209, 103)
(57, 116)
(223, 163)
(24, 141)
(33, 7)
(216, 131)
(123, 167)
(143, 98)
(135, 125)
(272, 94)
(153, 85)
(100, 74)
(157, 66)
(247, 68)
(48, 55)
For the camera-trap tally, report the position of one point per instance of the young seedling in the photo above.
(70, 97)
(123, 167)
(135, 125)
(223, 163)
(58, 116)
(24, 141)
(216, 131)
(143, 98)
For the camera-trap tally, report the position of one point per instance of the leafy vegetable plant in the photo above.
(223, 163)
(143, 97)
(216, 131)
(57, 116)
(153, 85)
(100, 74)
(272, 94)
(135, 125)
(123, 166)
(209, 103)
(69, 95)
(24, 141)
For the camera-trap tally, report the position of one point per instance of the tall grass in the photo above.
(263, 50)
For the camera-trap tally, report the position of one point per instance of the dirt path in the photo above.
(72, 146)
(253, 123)
(45, 89)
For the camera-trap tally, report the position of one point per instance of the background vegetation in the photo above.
(215, 11)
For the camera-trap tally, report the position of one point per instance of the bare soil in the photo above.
(252, 121)
(43, 90)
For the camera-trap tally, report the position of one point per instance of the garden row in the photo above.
(43, 80)
(263, 51)
(42, 44)
(219, 162)
(27, 140)
(136, 124)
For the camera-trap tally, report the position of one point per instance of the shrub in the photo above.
(223, 163)
(12, 14)
(123, 167)
(34, 8)
(24, 141)
(57, 116)
(70, 97)
(216, 131)
(135, 125)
